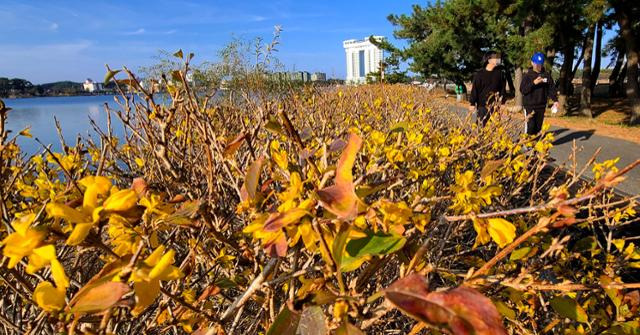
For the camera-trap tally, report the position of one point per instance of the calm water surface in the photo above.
(73, 113)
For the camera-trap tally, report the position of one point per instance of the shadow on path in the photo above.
(582, 135)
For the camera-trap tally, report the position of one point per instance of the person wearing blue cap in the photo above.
(537, 87)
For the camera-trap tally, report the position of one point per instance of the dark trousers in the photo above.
(534, 118)
(483, 115)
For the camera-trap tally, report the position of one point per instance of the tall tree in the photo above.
(585, 95)
(628, 15)
(616, 49)
(594, 15)
(597, 63)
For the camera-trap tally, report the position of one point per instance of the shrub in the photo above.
(310, 212)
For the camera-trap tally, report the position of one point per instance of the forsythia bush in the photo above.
(340, 210)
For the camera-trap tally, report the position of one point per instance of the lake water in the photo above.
(73, 113)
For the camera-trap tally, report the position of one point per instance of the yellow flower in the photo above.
(499, 230)
(395, 156)
(146, 280)
(44, 256)
(444, 152)
(49, 298)
(395, 215)
(279, 156)
(23, 241)
(378, 137)
(86, 216)
(502, 231)
(121, 201)
(340, 309)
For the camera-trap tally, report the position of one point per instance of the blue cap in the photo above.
(538, 58)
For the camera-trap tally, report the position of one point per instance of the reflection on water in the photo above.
(73, 113)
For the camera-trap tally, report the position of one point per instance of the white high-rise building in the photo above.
(363, 57)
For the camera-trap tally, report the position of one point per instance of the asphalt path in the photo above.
(587, 143)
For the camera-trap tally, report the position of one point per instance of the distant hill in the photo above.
(18, 87)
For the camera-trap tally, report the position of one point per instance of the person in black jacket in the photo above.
(537, 87)
(488, 87)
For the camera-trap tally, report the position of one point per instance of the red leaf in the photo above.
(140, 186)
(340, 198)
(277, 247)
(99, 298)
(250, 184)
(279, 220)
(233, 146)
(463, 310)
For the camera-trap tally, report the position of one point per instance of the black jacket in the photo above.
(536, 96)
(485, 86)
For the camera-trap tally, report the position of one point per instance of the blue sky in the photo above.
(45, 41)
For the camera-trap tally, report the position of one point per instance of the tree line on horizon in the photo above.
(18, 87)
(448, 39)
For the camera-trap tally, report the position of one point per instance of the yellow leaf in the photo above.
(62, 211)
(146, 293)
(163, 265)
(155, 256)
(121, 201)
(481, 228)
(79, 233)
(57, 272)
(26, 132)
(49, 298)
(502, 231)
(139, 162)
(21, 243)
(95, 187)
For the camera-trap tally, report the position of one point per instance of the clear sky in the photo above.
(45, 41)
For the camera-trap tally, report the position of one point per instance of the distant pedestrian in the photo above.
(537, 87)
(488, 87)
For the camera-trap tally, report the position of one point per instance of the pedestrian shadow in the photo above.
(581, 135)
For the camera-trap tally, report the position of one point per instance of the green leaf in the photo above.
(286, 323)
(504, 310)
(109, 75)
(587, 243)
(374, 244)
(185, 214)
(225, 283)
(274, 126)
(338, 245)
(569, 308)
(178, 54)
(175, 75)
(519, 253)
(399, 127)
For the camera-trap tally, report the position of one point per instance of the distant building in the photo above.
(363, 57)
(302, 76)
(91, 86)
(319, 76)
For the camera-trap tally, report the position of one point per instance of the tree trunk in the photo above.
(525, 28)
(595, 71)
(564, 82)
(614, 83)
(585, 94)
(621, 77)
(518, 80)
(625, 10)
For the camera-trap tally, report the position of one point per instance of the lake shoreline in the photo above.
(27, 96)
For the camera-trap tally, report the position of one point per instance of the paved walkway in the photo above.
(587, 142)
